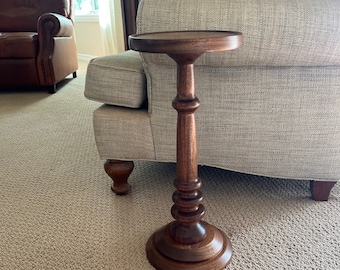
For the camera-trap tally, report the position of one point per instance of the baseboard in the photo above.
(85, 57)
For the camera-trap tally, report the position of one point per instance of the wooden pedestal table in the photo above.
(187, 242)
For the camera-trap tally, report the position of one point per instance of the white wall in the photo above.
(89, 41)
(88, 34)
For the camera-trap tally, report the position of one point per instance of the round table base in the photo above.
(165, 254)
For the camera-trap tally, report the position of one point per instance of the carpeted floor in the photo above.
(58, 212)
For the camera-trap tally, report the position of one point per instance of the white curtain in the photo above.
(111, 25)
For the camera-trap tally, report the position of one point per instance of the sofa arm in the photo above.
(117, 80)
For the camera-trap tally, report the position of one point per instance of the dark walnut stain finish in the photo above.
(119, 171)
(188, 242)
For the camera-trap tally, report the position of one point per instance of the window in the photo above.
(86, 7)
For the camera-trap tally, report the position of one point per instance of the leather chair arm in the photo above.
(51, 28)
(54, 25)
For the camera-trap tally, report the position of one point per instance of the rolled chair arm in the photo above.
(54, 25)
(51, 29)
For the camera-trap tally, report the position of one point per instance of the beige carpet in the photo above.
(57, 210)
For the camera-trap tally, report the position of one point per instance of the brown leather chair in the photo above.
(37, 43)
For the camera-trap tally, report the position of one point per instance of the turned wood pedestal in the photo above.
(188, 242)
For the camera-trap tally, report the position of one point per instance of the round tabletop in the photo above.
(182, 42)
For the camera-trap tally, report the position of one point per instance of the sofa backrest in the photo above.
(22, 15)
(275, 32)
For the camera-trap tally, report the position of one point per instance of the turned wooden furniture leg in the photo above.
(188, 242)
(119, 171)
(321, 189)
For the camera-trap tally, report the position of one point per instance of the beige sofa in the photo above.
(271, 108)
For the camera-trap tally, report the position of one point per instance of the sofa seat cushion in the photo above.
(117, 80)
(20, 45)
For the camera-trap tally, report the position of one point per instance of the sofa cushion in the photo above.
(275, 33)
(117, 80)
(18, 45)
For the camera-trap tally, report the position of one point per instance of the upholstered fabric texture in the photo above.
(255, 120)
(135, 128)
(276, 33)
(117, 80)
(269, 108)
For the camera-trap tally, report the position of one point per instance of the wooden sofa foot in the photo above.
(119, 171)
(321, 189)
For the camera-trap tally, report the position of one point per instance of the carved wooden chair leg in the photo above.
(119, 171)
(321, 189)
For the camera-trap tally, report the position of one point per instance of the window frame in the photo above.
(92, 16)
(86, 18)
